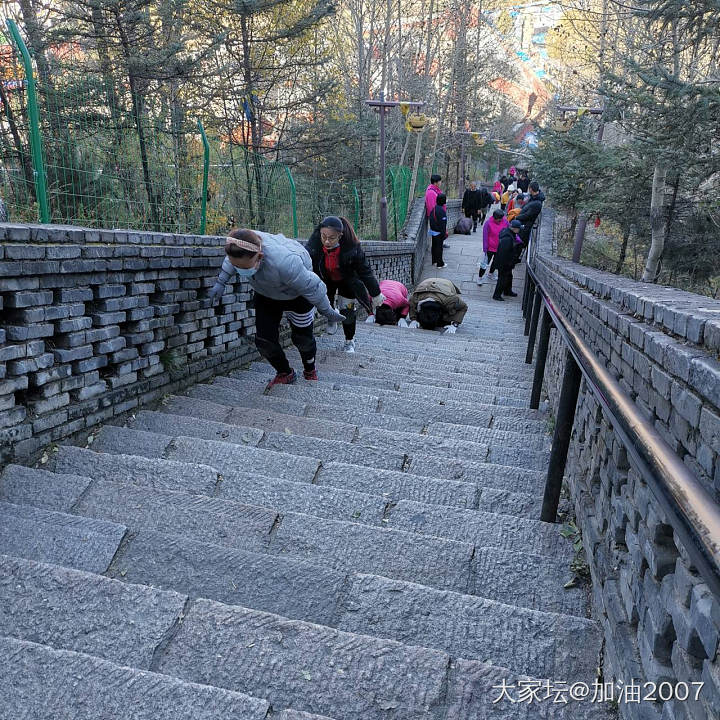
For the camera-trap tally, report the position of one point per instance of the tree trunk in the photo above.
(23, 156)
(623, 251)
(658, 225)
(579, 237)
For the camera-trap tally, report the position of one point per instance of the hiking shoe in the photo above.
(332, 328)
(510, 294)
(499, 299)
(441, 266)
(282, 379)
(349, 346)
(310, 374)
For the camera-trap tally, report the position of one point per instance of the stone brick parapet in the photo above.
(95, 323)
(662, 622)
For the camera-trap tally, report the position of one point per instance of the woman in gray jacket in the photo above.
(280, 272)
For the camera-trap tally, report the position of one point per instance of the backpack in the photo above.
(463, 226)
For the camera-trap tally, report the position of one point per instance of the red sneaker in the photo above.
(282, 379)
(310, 374)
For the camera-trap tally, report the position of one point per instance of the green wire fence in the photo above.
(84, 149)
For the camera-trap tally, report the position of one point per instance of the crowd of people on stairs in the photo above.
(331, 269)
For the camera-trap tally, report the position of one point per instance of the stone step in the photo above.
(342, 545)
(487, 528)
(315, 427)
(366, 397)
(392, 380)
(348, 415)
(55, 537)
(324, 670)
(225, 457)
(247, 488)
(413, 418)
(532, 587)
(39, 682)
(302, 445)
(287, 662)
(482, 529)
(401, 446)
(364, 604)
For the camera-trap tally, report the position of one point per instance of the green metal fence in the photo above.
(85, 150)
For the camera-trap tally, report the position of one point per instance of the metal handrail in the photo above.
(691, 510)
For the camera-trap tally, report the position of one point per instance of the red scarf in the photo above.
(332, 263)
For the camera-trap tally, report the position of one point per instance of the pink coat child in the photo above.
(396, 296)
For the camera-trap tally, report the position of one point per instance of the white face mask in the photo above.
(246, 272)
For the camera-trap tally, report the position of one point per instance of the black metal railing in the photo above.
(690, 509)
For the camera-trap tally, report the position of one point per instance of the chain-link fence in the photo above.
(81, 149)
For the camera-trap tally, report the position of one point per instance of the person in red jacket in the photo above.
(431, 196)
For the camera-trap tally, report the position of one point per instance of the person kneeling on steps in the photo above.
(279, 270)
(339, 260)
(436, 303)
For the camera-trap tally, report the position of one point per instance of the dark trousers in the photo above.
(268, 314)
(350, 322)
(504, 282)
(490, 256)
(475, 215)
(437, 249)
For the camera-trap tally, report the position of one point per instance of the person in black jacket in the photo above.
(529, 214)
(471, 204)
(523, 182)
(504, 260)
(339, 260)
(438, 230)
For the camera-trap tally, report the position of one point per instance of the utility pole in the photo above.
(382, 106)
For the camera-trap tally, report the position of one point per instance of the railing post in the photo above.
(527, 314)
(543, 343)
(206, 172)
(533, 326)
(561, 439)
(36, 149)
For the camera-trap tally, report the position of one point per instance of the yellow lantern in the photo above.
(404, 109)
(415, 123)
(581, 111)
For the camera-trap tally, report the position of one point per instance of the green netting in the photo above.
(117, 157)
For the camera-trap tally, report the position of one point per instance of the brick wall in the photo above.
(94, 323)
(661, 621)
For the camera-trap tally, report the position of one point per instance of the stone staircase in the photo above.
(364, 547)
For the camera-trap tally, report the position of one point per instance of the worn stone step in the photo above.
(246, 488)
(371, 451)
(527, 641)
(225, 458)
(450, 370)
(482, 529)
(262, 403)
(322, 670)
(462, 625)
(291, 587)
(251, 417)
(392, 380)
(171, 424)
(39, 682)
(18, 485)
(74, 610)
(148, 472)
(343, 545)
(116, 440)
(55, 537)
(369, 400)
(532, 433)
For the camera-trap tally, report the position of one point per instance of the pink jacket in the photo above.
(396, 295)
(497, 187)
(431, 199)
(491, 233)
